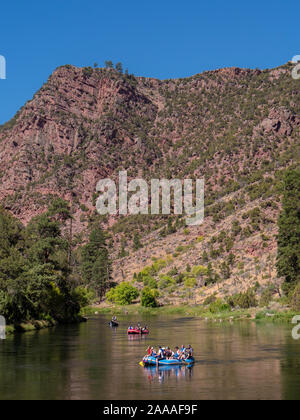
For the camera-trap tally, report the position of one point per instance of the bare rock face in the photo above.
(66, 132)
(280, 121)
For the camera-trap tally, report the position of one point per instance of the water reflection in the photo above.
(136, 337)
(165, 373)
(93, 361)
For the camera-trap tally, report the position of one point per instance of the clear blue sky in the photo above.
(158, 38)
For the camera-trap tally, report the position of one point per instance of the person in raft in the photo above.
(182, 352)
(169, 353)
(161, 354)
(114, 318)
(153, 352)
(149, 352)
(189, 351)
(177, 353)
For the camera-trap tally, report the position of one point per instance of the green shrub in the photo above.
(218, 306)
(199, 270)
(210, 299)
(180, 248)
(266, 297)
(151, 282)
(165, 281)
(158, 265)
(180, 278)
(148, 297)
(267, 294)
(83, 296)
(172, 272)
(123, 294)
(146, 271)
(200, 239)
(244, 300)
(295, 299)
(190, 282)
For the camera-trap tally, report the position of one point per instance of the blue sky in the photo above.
(163, 39)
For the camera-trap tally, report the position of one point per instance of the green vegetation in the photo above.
(218, 306)
(34, 268)
(109, 64)
(244, 300)
(42, 275)
(295, 298)
(218, 312)
(95, 263)
(45, 263)
(165, 281)
(288, 258)
(267, 294)
(123, 294)
(136, 242)
(148, 297)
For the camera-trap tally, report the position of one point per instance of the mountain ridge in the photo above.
(61, 111)
(237, 128)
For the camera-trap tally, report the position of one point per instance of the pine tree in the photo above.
(96, 265)
(119, 67)
(109, 64)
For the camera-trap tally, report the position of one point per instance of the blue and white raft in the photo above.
(152, 361)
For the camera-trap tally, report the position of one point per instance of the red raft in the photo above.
(137, 331)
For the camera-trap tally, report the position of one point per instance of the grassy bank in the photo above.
(257, 314)
(29, 326)
(36, 325)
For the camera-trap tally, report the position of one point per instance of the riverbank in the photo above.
(37, 325)
(254, 314)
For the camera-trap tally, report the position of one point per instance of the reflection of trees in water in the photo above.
(240, 360)
(290, 370)
(30, 370)
(93, 361)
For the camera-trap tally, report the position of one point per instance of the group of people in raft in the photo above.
(138, 327)
(181, 353)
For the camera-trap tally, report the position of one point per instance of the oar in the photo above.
(141, 363)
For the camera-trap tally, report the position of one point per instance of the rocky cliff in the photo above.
(237, 128)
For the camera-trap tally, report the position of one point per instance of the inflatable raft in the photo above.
(113, 324)
(152, 361)
(137, 331)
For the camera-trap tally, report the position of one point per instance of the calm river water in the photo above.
(93, 361)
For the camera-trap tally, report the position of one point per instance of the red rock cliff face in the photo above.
(87, 124)
(66, 132)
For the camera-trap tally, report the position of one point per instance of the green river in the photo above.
(92, 361)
